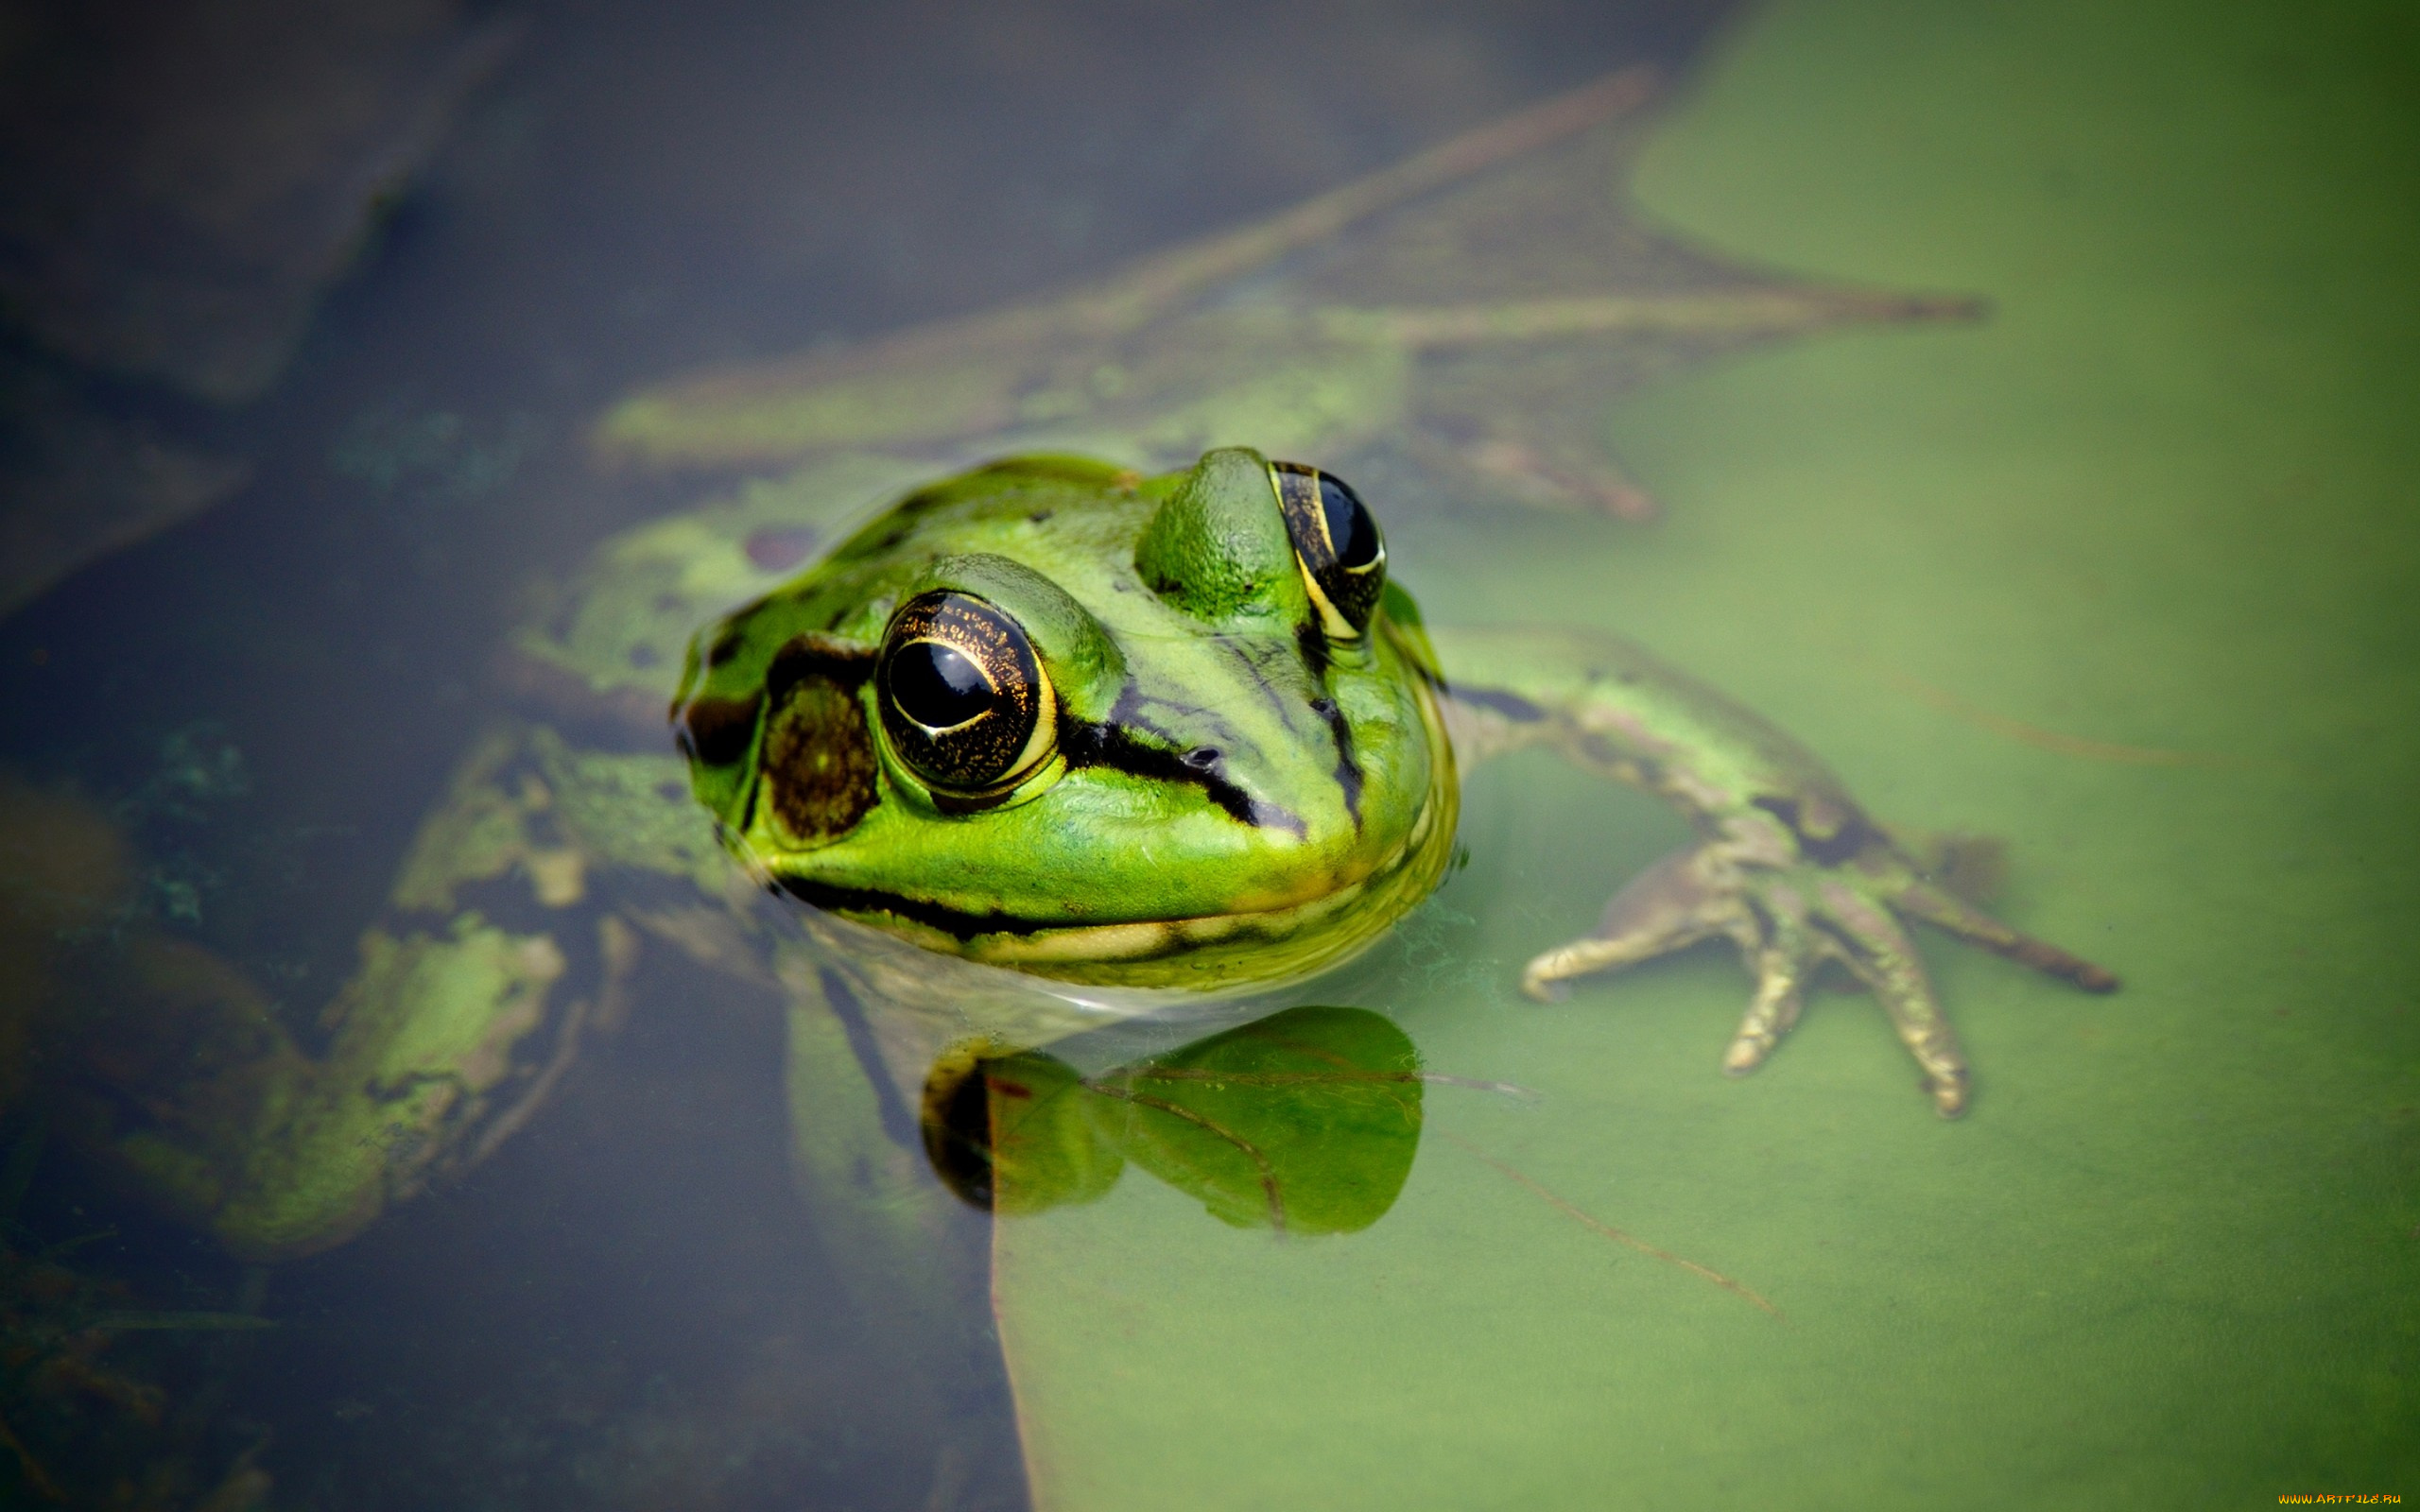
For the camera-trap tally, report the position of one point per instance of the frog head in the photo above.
(1167, 731)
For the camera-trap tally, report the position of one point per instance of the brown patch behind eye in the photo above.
(718, 730)
(819, 762)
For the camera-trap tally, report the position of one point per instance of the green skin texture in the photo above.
(447, 1039)
(1214, 661)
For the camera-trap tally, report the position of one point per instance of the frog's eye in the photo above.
(1342, 556)
(963, 701)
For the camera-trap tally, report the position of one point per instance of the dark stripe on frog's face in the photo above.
(821, 793)
(1311, 641)
(869, 904)
(1116, 745)
(1287, 676)
(958, 925)
(843, 663)
(1348, 770)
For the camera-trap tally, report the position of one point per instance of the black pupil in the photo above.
(1350, 530)
(937, 685)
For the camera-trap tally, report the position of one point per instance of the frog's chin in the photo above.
(908, 1008)
(1236, 953)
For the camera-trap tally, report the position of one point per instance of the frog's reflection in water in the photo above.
(1304, 1121)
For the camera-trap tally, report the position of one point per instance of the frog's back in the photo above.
(1059, 511)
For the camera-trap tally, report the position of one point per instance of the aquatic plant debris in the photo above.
(2035, 735)
(1618, 1236)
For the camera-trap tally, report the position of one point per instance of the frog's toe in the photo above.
(1672, 904)
(1782, 969)
(1945, 911)
(1872, 944)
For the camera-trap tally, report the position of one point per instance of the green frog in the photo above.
(1182, 732)
(1053, 741)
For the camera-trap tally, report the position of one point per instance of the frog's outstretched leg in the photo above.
(1786, 866)
(961, 379)
(1520, 464)
(469, 1003)
(1510, 396)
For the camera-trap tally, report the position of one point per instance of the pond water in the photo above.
(2014, 404)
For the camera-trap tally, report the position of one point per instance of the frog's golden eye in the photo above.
(1342, 556)
(965, 702)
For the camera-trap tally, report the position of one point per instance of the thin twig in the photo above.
(35, 1475)
(2041, 739)
(1613, 1233)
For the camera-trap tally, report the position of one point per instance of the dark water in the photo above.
(626, 1306)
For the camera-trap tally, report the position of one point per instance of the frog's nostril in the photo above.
(1201, 758)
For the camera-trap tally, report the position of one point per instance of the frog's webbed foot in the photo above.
(1790, 917)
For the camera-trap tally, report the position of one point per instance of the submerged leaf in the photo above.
(1305, 1122)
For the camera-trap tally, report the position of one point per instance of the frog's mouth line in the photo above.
(861, 902)
(1044, 939)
